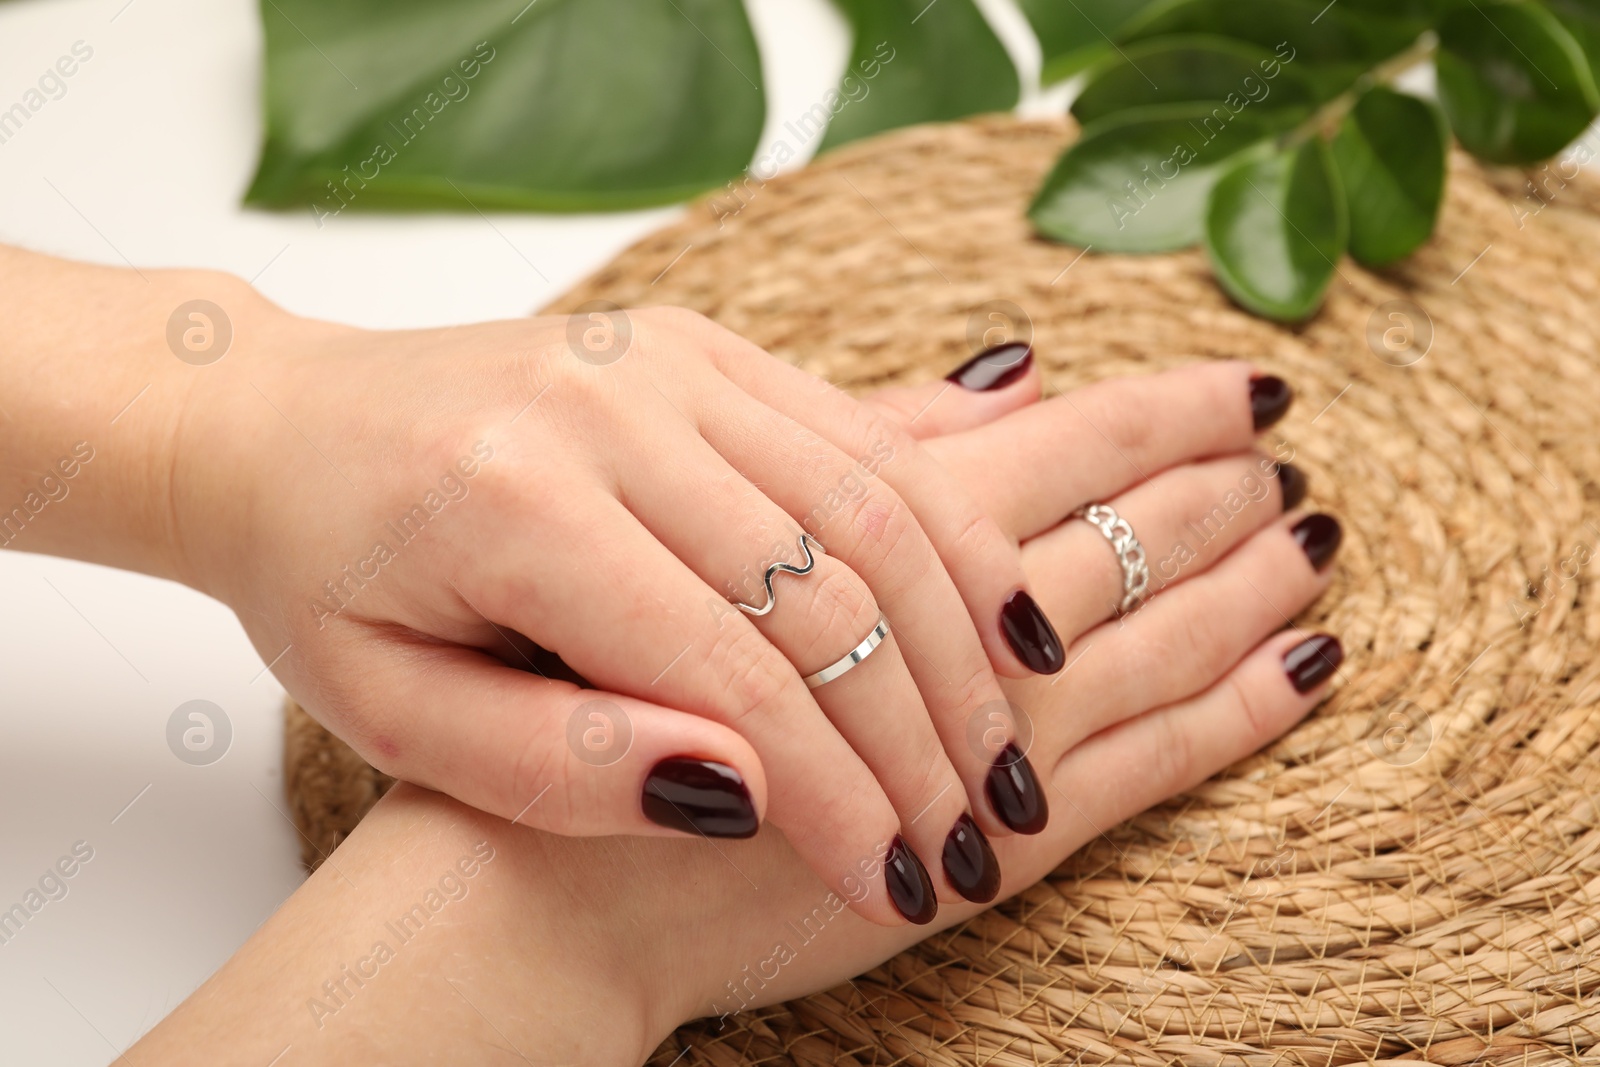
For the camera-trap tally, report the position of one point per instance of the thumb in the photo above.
(995, 382)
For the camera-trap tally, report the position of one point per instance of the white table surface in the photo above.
(144, 160)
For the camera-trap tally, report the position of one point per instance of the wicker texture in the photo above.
(1411, 875)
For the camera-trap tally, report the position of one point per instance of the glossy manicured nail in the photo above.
(1319, 535)
(698, 796)
(909, 885)
(1015, 794)
(993, 368)
(1030, 634)
(1313, 661)
(969, 862)
(1270, 397)
(1292, 480)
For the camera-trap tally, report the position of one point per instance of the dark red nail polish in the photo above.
(1030, 634)
(993, 368)
(910, 888)
(1270, 398)
(1014, 791)
(1292, 480)
(969, 862)
(1313, 661)
(698, 796)
(1319, 535)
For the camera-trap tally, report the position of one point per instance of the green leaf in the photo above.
(559, 105)
(1275, 229)
(1427, 12)
(1138, 182)
(913, 62)
(1582, 19)
(1299, 31)
(1076, 33)
(1515, 85)
(1391, 152)
(1171, 70)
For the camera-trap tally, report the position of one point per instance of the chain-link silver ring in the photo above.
(1130, 553)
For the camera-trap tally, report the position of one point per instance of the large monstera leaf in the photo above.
(574, 105)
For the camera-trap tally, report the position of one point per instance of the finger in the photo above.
(1141, 762)
(1186, 518)
(633, 619)
(1182, 641)
(995, 382)
(730, 534)
(978, 557)
(1116, 434)
(866, 526)
(546, 753)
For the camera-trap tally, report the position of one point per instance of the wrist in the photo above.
(96, 367)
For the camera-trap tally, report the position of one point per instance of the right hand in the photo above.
(395, 516)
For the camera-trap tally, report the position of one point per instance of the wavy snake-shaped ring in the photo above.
(807, 542)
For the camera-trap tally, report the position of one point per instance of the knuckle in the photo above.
(676, 316)
(841, 609)
(1251, 712)
(1129, 426)
(888, 542)
(756, 678)
(539, 770)
(1198, 644)
(976, 688)
(980, 538)
(1173, 753)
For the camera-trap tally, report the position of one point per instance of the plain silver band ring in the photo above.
(806, 543)
(851, 658)
(1130, 553)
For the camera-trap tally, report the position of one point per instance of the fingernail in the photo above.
(909, 885)
(698, 796)
(1319, 535)
(993, 368)
(1292, 480)
(1015, 794)
(1030, 634)
(1270, 397)
(969, 862)
(1313, 661)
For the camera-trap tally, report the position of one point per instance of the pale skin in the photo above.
(566, 950)
(394, 516)
(590, 949)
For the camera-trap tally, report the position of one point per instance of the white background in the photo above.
(144, 160)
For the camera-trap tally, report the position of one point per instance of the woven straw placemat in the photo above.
(1411, 875)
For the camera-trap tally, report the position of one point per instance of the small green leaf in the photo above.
(1298, 31)
(1391, 152)
(1175, 70)
(1138, 182)
(1515, 85)
(1075, 33)
(1275, 229)
(554, 106)
(913, 62)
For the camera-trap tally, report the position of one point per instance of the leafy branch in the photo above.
(1268, 131)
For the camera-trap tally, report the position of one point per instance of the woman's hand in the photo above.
(590, 951)
(391, 513)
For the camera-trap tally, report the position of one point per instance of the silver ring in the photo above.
(851, 658)
(806, 543)
(1130, 553)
